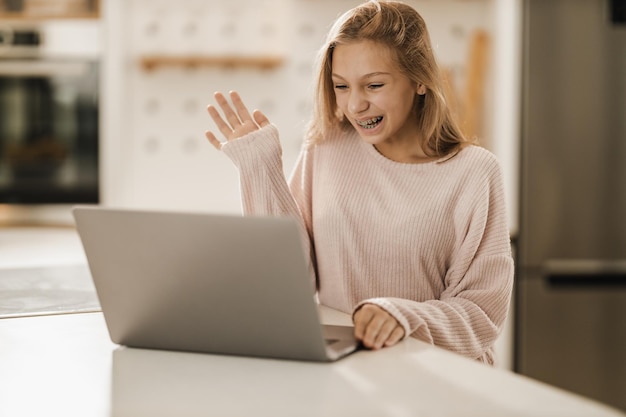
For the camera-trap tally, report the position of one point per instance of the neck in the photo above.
(405, 153)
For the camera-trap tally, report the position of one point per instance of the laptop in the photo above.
(222, 284)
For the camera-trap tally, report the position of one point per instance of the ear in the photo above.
(421, 89)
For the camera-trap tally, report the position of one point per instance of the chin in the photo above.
(372, 139)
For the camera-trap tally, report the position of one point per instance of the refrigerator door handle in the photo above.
(585, 273)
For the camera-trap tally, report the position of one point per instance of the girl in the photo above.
(403, 217)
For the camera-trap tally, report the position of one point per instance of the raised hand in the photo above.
(237, 120)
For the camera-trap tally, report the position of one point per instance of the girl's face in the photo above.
(375, 96)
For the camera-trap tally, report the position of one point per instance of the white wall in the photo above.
(155, 154)
(505, 123)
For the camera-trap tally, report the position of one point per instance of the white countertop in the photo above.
(66, 365)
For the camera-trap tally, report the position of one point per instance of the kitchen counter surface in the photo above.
(66, 365)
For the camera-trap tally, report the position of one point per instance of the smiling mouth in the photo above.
(370, 123)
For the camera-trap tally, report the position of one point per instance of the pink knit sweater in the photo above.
(427, 242)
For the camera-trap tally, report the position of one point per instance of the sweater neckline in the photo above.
(380, 158)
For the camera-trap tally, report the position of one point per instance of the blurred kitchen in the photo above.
(49, 93)
(104, 102)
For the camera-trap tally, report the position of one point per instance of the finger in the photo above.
(229, 113)
(242, 110)
(369, 323)
(395, 337)
(387, 328)
(214, 141)
(362, 318)
(260, 118)
(373, 330)
(223, 127)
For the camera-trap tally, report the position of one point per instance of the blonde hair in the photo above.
(400, 28)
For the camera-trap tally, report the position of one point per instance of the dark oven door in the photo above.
(48, 131)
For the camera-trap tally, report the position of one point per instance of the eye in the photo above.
(375, 86)
(341, 87)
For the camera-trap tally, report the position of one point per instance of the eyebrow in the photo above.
(371, 74)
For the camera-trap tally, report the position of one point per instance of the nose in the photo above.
(357, 102)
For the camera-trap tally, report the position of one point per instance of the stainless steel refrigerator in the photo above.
(571, 246)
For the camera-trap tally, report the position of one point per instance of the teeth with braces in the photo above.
(370, 123)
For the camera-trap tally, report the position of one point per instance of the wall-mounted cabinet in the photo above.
(49, 9)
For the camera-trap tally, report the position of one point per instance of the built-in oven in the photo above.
(49, 93)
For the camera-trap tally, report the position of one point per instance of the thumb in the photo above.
(260, 118)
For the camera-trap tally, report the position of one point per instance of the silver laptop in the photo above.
(206, 283)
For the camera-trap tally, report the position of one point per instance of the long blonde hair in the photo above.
(400, 28)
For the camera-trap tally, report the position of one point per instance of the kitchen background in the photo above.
(159, 63)
(159, 69)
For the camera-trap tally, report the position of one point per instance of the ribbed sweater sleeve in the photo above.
(429, 242)
(263, 186)
(469, 313)
(264, 190)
